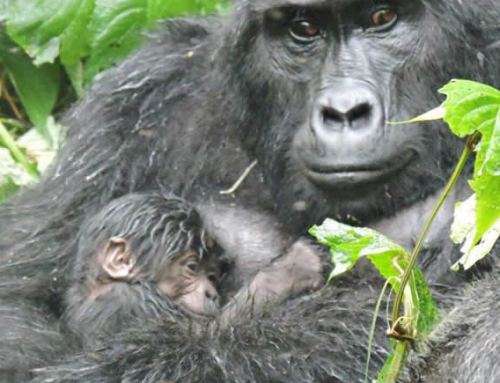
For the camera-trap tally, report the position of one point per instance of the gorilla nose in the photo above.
(211, 294)
(353, 107)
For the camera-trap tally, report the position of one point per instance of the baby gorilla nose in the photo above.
(211, 294)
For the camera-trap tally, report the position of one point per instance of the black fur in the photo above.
(30, 338)
(205, 98)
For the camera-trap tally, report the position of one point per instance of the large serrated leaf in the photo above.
(469, 105)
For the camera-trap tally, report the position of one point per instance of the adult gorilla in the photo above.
(304, 87)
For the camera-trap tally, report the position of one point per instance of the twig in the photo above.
(240, 180)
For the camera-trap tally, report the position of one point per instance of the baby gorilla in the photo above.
(141, 256)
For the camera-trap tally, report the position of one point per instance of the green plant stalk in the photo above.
(373, 327)
(16, 152)
(469, 147)
(399, 356)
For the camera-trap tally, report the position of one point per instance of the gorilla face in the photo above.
(332, 74)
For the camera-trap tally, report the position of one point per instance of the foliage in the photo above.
(51, 50)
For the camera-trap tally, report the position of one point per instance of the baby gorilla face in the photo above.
(191, 282)
(188, 279)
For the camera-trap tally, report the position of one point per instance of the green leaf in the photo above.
(75, 44)
(115, 30)
(348, 244)
(37, 87)
(39, 25)
(99, 31)
(116, 26)
(470, 106)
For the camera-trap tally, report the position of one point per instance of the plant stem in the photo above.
(16, 152)
(469, 147)
(399, 356)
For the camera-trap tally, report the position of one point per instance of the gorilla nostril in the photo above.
(212, 295)
(361, 111)
(332, 115)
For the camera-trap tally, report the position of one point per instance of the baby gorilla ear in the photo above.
(117, 259)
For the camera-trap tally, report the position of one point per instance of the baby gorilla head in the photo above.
(141, 256)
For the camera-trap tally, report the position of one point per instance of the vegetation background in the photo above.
(50, 52)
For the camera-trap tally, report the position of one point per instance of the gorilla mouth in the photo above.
(335, 176)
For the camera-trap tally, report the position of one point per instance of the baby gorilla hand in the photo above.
(299, 270)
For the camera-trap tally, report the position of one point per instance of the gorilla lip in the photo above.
(337, 176)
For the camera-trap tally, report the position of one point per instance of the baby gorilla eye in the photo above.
(192, 266)
(383, 17)
(304, 31)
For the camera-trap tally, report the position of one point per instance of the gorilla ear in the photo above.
(118, 261)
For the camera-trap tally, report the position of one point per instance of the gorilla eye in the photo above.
(192, 266)
(304, 31)
(383, 17)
